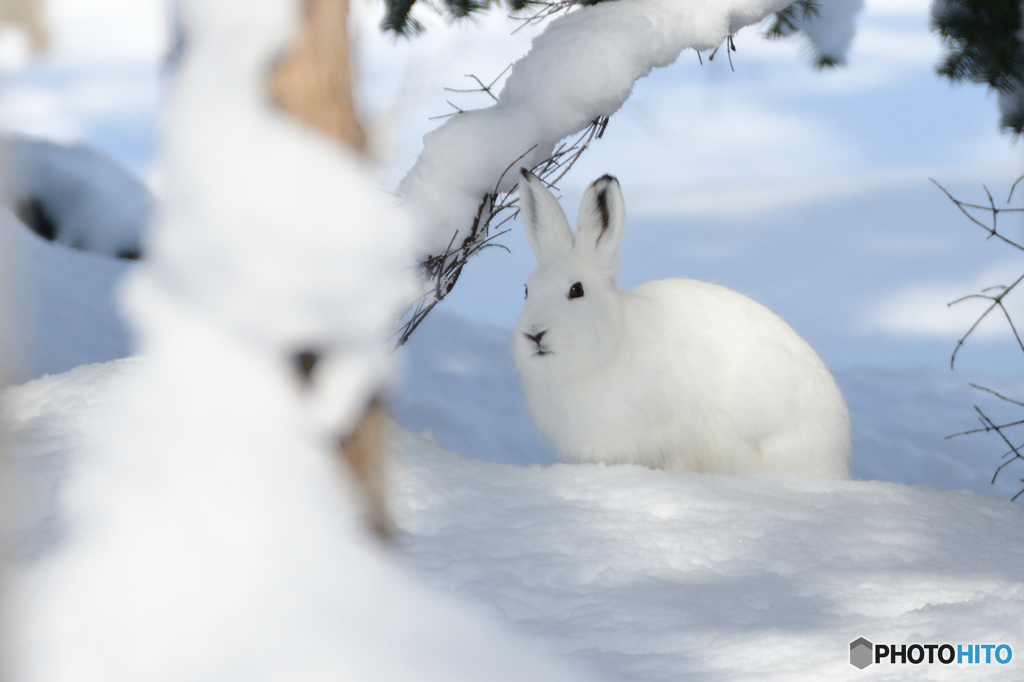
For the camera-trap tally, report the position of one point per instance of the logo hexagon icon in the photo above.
(861, 653)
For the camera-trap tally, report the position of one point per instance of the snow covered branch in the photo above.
(579, 70)
(828, 26)
(495, 210)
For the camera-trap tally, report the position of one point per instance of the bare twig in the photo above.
(483, 87)
(540, 10)
(992, 229)
(998, 395)
(997, 302)
(991, 208)
(440, 272)
(730, 47)
(450, 113)
(996, 295)
(486, 88)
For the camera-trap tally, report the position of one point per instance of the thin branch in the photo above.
(496, 208)
(451, 113)
(1014, 187)
(992, 230)
(998, 395)
(996, 295)
(487, 88)
(1013, 448)
(543, 11)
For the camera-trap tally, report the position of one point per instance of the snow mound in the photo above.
(654, 575)
(75, 196)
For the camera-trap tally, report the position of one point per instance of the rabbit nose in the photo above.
(537, 337)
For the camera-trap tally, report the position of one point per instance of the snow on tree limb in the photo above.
(828, 26)
(583, 66)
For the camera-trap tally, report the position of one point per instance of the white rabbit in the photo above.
(674, 374)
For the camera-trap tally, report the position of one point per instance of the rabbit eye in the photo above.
(576, 290)
(526, 291)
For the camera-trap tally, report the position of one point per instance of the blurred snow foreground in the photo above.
(205, 530)
(74, 196)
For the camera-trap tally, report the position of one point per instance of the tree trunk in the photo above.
(314, 82)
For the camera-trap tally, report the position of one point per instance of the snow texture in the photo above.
(581, 67)
(627, 573)
(652, 575)
(75, 196)
(230, 550)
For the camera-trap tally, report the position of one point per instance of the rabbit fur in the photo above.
(674, 374)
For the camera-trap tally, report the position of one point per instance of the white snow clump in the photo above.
(75, 196)
(581, 67)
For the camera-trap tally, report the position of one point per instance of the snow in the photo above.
(229, 551)
(621, 572)
(61, 305)
(92, 202)
(98, 82)
(830, 32)
(269, 226)
(652, 575)
(582, 66)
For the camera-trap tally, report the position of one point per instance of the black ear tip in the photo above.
(525, 173)
(607, 179)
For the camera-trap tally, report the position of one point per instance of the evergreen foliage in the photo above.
(399, 20)
(787, 22)
(983, 39)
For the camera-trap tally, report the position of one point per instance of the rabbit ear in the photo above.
(601, 221)
(547, 228)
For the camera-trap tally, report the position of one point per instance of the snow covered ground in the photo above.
(632, 574)
(649, 575)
